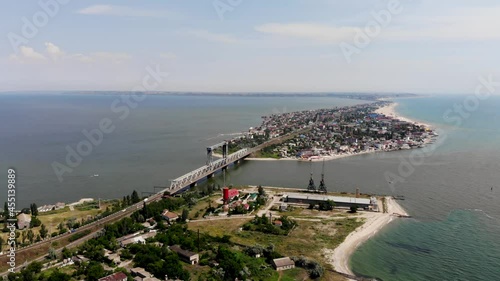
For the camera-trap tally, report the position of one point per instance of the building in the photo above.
(283, 263)
(140, 273)
(60, 205)
(169, 216)
(137, 239)
(23, 221)
(184, 255)
(119, 276)
(340, 201)
(112, 256)
(78, 259)
(228, 194)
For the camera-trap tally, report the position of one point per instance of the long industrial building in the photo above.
(340, 201)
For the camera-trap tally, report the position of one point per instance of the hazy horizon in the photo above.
(391, 46)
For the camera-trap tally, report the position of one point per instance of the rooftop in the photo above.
(339, 199)
(286, 261)
(119, 276)
(181, 252)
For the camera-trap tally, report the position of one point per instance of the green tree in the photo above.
(31, 236)
(94, 271)
(353, 209)
(58, 276)
(66, 253)
(261, 190)
(52, 255)
(34, 209)
(43, 231)
(35, 222)
(23, 236)
(1, 243)
(184, 215)
(5, 210)
(135, 197)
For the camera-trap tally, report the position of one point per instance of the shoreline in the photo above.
(341, 255)
(388, 110)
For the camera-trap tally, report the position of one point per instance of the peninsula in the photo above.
(335, 133)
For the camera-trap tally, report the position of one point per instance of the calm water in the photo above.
(455, 232)
(161, 139)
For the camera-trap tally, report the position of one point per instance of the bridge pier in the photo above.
(210, 176)
(193, 184)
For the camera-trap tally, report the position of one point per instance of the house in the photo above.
(229, 194)
(78, 259)
(60, 205)
(169, 216)
(46, 208)
(23, 221)
(283, 263)
(184, 255)
(133, 240)
(147, 279)
(137, 239)
(278, 223)
(140, 272)
(119, 276)
(112, 256)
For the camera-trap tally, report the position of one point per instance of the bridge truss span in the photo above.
(213, 166)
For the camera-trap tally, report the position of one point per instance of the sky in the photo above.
(409, 46)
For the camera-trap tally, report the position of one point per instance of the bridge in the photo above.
(190, 179)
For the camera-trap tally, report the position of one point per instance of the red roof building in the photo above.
(169, 216)
(228, 194)
(119, 276)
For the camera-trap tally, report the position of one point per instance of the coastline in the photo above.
(341, 255)
(388, 110)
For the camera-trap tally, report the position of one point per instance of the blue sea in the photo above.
(451, 189)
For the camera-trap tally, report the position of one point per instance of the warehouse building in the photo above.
(340, 201)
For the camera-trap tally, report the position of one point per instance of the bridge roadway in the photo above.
(191, 178)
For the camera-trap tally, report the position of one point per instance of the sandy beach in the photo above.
(374, 222)
(390, 110)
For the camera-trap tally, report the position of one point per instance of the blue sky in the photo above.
(251, 45)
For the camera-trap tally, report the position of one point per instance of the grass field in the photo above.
(308, 239)
(52, 219)
(202, 205)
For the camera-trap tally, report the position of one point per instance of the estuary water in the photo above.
(452, 188)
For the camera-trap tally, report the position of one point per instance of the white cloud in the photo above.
(310, 31)
(470, 24)
(54, 51)
(168, 56)
(216, 37)
(27, 54)
(124, 11)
